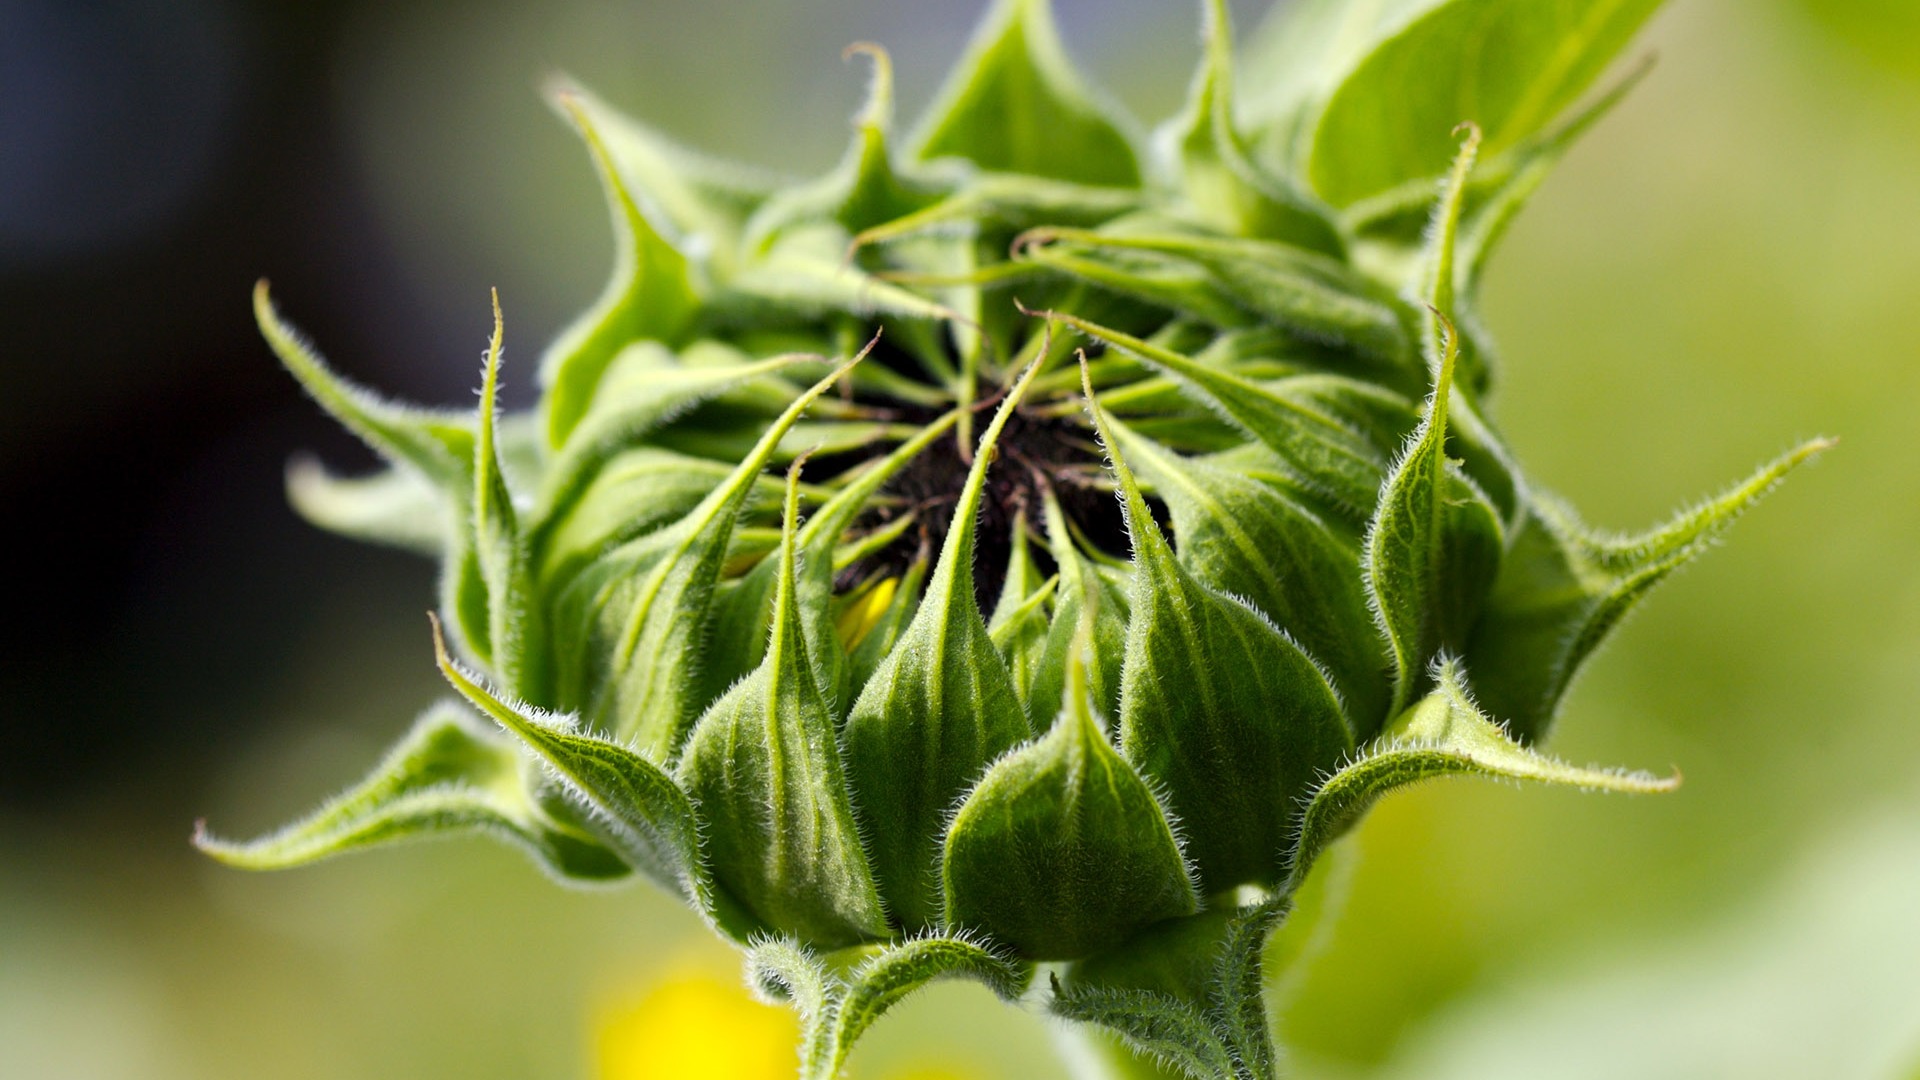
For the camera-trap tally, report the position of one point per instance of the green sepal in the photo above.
(1230, 281)
(1082, 587)
(865, 656)
(1222, 184)
(512, 619)
(805, 273)
(1509, 66)
(1062, 849)
(1244, 538)
(635, 493)
(1014, 104)
(737, 640)
(837, 1008)
(395, 507)
(1432, 548)
(637, 809)
(1020, 618)
(1211, 965)
(698, 204)
(1010, 203)
(935, 713)
(1562, 588)
(1443, 734)
(643, 388)
(642, 609)
(438, 445)
(764, 766)
(1170, 1032)
(1324, 454)
(651, 295)
(865, 189)
(1217, 706)
(445, 776)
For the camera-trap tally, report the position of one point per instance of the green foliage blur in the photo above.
(1729, 263)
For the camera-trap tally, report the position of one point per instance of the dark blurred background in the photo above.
(1731, 262)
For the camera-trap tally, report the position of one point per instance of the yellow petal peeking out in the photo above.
(695, 1024)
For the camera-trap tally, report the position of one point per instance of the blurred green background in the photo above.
(1729, 263)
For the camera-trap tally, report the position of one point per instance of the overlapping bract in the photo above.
(769, 699)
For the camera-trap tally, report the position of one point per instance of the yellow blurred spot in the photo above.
(697, 1025)
(861, 616)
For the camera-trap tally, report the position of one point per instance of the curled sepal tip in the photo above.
(1443, 734)
(637, 809)
(1525, 651)
(837, 1008)
(446, 776)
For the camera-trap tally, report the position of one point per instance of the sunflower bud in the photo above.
(1082, 622)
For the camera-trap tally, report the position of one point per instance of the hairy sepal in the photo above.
(447, 776)
(1444, 734)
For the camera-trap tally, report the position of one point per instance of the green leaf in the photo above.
(1062, 849)
(1015, 104)
(1510, 66)
(1324, 454)
(1221, 183)
(935, 713)
(1294, 58)
(1443, 734)
(1164, 1029)
(446, 776)
(637, 809)
(651, 295)
(1217, 706)
(396, 507)
(764, 766)
(1563, 588)
(1243, 538)
(630, 626)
